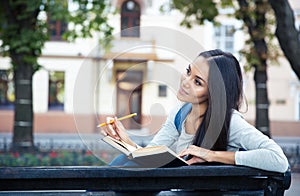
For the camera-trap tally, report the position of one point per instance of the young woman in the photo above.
(207, 126)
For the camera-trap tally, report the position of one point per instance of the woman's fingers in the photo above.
(195, 160)
(199, 154)
(110, 129)
(122, 133)
(183, 153)
(103, 132)
(119, 126)
(115, 129)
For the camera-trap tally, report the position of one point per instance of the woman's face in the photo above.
(193, 85)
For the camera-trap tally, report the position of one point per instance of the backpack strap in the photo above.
(181, 115)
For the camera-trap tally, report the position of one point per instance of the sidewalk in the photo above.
(294, 190)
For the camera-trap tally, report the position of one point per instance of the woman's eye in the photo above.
(188, 71)
(198, 82)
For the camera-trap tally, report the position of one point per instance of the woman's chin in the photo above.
(180, 98)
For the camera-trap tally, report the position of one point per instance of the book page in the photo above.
(119, 144)
(153, 156)
(150, 150)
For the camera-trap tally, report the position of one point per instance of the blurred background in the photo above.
(67, 65)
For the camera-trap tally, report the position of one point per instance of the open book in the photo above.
(154, 156)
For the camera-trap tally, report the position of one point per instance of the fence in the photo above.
(73, 142)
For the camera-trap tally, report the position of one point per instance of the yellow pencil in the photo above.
(122, 118)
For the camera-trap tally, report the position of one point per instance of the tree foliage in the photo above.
(195, 11)
(21, 32)
(24, 31)
(24, 27)
(254, 15)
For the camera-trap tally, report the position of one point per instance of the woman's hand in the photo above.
(201, 155)
(111, 128)
(116, 130)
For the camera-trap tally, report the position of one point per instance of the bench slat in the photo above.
(204, 178)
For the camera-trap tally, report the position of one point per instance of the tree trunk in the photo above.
(286, 32)
(262, 121)
(20, 33)
(262, 103)
(256, 29)
(23, 116)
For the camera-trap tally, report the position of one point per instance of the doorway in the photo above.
(129, 96)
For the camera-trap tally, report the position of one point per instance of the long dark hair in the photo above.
(225, 84)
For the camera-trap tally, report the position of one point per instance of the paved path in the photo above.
(294, 190)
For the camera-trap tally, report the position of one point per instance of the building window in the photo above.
(130, 17)
(56, 90)
(162, 90)
(224, 36)
(280, 101)
(56, 29)
(7, 90)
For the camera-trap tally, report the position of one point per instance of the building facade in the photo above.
(80, 84)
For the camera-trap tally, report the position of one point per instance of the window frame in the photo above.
(56, 105)
(56, 28)
(223, 39)
(8, 105)
(130, 20)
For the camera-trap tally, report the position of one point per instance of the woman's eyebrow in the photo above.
(200, 78)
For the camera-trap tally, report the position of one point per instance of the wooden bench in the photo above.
(191, 180)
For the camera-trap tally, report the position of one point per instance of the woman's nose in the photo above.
(185, 82)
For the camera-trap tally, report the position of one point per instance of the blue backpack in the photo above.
(181, 115)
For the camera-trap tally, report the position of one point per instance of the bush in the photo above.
(53, 158)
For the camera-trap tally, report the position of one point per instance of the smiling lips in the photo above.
(182, 91)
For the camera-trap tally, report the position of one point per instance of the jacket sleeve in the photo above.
(260, 151)
(168, 134)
